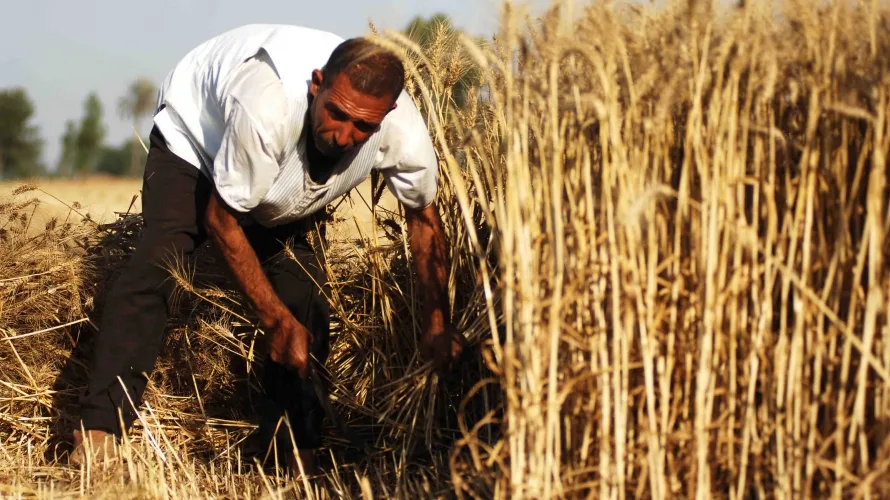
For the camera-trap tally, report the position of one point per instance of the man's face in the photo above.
(341, 117)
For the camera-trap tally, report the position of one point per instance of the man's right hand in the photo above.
(289, 342)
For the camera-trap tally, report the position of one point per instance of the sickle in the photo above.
(324, 397)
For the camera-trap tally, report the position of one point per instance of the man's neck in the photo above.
(320, 166)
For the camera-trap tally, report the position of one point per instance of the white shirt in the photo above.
(240, 120)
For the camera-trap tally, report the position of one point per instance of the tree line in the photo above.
(83, 143)
(84, 150)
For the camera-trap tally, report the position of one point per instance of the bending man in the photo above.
(256, 130)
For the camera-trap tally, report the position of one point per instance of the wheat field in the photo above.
(97, 197)
(668, 234)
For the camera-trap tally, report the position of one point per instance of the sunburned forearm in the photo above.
(230, 239)
(427, 242)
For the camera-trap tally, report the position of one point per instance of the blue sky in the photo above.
(60, 50)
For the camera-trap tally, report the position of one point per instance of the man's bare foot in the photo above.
(98, 446)
(307, 457)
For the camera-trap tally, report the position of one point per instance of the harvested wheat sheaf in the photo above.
(669, 240)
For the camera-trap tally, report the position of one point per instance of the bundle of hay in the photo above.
(46, 279)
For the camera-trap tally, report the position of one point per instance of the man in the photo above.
(256, 130)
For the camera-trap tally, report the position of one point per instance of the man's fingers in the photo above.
(276, 357)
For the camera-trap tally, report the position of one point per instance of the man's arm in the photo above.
(427, 241)
(226, 233)
(244, 169)
(289, 340)
(426, 238)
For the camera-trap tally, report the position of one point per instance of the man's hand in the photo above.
(289, 343)
(443, 348)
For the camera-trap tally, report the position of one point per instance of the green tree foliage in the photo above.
(431, 34)
(422, 30)
(117, 160)
(138, 103)
(90, 136)
(69, 150)
(20, 145)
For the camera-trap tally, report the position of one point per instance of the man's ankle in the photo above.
(94, 445)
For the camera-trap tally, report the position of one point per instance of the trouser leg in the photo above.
(136, 309)
(299, 283)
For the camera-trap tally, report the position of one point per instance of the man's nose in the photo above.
(342, 138)
(346, 137)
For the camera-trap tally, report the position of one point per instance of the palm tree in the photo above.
(139, 102)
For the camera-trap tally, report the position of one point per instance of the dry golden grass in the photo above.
(98, 197)
(669, 236)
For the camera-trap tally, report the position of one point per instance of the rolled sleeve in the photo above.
(413, 177)
(246, 164)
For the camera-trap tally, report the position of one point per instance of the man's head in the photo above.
(352, 94)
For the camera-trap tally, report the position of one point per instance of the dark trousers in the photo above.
(175, 196)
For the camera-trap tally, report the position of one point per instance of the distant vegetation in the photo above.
(20, 143)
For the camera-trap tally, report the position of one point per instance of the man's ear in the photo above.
(315, 83)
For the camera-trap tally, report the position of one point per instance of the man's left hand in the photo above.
(442, 346)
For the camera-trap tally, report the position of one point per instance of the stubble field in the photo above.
(102, 199)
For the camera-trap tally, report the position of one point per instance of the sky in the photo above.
(61, 50)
